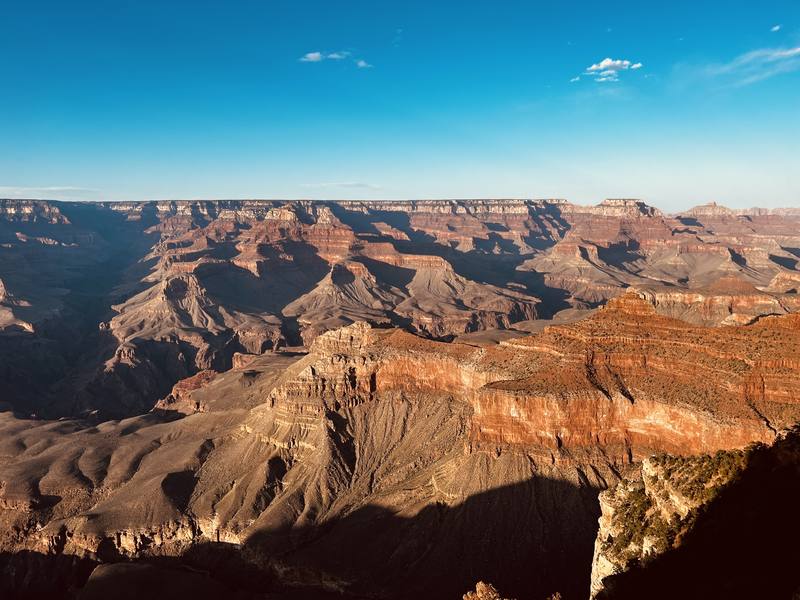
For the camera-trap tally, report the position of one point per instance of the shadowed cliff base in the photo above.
(743, 544)
(29, 575)
(532, 539)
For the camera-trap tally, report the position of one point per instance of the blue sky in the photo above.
(675, 102)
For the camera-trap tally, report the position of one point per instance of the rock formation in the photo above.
(705, 526)
(727, 301)
(370, 399)
(483, 591)
(124, 299)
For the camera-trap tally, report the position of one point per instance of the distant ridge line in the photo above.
(708, 209)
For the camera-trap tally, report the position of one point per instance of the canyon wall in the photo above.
(114, 303)
(270, 392)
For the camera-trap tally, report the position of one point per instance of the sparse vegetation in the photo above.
(633, 511)
(692, 481)
(699, 478)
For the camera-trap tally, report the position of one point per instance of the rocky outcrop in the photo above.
(483, 591)
(697, 527)
(644, 518)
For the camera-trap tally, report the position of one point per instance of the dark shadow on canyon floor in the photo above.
(529, 539)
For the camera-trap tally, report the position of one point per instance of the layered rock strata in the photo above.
(121, 300)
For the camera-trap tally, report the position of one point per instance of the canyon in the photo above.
(374, 399)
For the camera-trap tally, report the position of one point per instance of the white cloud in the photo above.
(609, 64)
(775, 29)
(312, 57)
(609, 69)
(756, 65)
(315, 57)
(574, 79)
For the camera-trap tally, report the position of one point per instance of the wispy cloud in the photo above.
(775, 28)
(755, 66)
(51, 191)
(574, 79)
(318, 57)
(609, 69)
(352, 185)
(315, 57)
